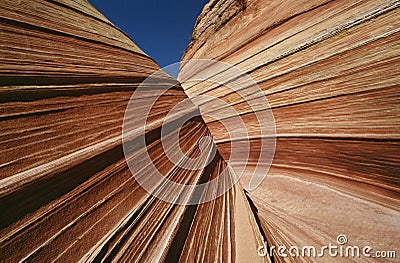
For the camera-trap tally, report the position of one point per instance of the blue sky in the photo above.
(160, 28)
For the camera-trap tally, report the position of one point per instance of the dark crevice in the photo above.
(54, 79)
(254, 210)
(32, 114)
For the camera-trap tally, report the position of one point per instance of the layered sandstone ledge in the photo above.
(66, 193)
(329, 70)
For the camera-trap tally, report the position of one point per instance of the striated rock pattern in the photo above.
(330, 71)
(66, 192)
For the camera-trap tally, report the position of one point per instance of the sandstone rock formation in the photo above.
(66, 193)
(329, 70)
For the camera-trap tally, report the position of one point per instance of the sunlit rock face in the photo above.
(327, 91)
(66, 192)
(330, 72)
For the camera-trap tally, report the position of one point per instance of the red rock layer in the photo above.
(330, 71)
(66, 193)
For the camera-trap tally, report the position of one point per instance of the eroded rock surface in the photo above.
(66, 193)
(330, 72)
